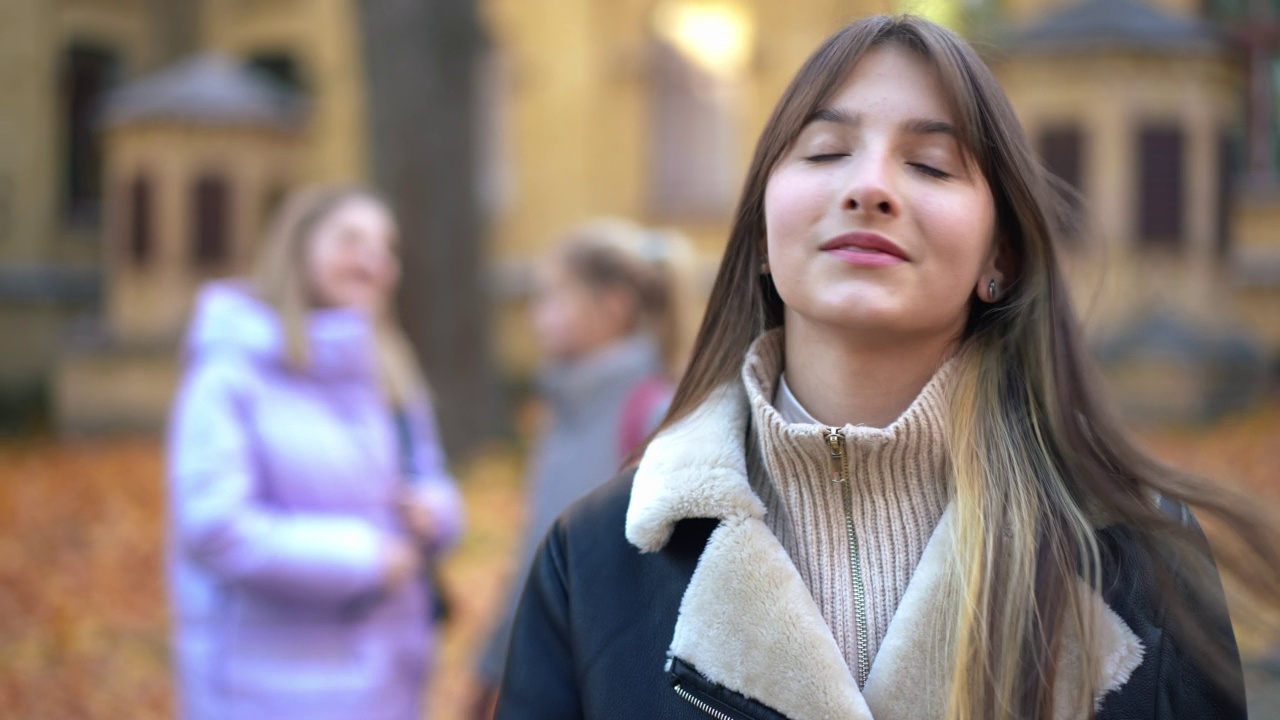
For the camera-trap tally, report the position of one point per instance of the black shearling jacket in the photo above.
(664, 595)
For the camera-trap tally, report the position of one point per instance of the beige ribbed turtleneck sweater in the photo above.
(897, 492)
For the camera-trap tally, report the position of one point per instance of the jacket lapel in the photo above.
(747, 622)
(910, 676)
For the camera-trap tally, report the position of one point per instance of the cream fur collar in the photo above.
(747, 621)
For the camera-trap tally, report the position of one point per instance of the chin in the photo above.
(854, 313)
(369, 299)
(864, 325)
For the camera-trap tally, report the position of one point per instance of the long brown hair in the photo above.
(279, 279)
(1038, 462)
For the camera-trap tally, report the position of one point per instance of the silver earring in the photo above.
(993, 290)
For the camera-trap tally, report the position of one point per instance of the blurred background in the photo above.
(143, 143)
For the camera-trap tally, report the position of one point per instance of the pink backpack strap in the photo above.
(642, 411)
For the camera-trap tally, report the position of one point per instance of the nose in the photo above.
(870, 188)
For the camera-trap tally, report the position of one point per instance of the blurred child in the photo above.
(308, 486)
(606, 315)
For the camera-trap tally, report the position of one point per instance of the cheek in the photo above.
(962, 229)
(552, 321)
(390, 275)
(792, 204)
(323, 273)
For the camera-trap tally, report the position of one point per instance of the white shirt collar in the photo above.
(788, 407)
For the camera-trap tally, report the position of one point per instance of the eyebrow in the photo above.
(911, 126)
(832, 115)
(928, 126)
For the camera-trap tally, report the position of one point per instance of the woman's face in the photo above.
(571, 319)
(351, 257)
(874, 222)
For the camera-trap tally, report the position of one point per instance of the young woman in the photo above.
(606, 315)
(886, 487)
(308, 486)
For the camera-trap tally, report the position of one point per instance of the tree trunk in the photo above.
(421, 58)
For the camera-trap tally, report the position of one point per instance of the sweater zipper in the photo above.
(840, 466)
(700, 704)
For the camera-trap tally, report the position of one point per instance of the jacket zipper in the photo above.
(840, 466)
(700, 704)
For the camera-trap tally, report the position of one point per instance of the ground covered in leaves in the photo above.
(83, 622)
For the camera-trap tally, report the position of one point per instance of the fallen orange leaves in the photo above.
(82, 618)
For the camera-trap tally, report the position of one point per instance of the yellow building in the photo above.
(60, 213)
(58, 57)
(1137, 106)
(649, 109)
(1131, 107)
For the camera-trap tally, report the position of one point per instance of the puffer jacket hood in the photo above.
(228, 318)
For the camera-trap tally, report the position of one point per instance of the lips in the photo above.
(864, 242)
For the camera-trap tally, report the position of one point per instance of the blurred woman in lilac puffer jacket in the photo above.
(307, 484)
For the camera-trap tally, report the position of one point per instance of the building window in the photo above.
(88, 73)
(1254, 28)
(699, 52)
(280, 68)
(1160, 186)
(1061, 149)
(211, 222)
(1273, 126)
(693, 138)
(1228, 169)
(141, 222)
(1226, 10)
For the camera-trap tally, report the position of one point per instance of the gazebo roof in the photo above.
(1093, 25)
(207, 89)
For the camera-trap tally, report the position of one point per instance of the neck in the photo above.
(844, 379)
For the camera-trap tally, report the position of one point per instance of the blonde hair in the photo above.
(1039, 462)
(655, 266)
(279, 279)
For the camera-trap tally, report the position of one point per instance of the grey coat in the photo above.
(579, 451)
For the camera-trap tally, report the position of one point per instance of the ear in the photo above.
(999, 267)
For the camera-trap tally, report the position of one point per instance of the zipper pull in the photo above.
(835, 443)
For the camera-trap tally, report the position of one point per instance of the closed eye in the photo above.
(931, 171)
(825, 157)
